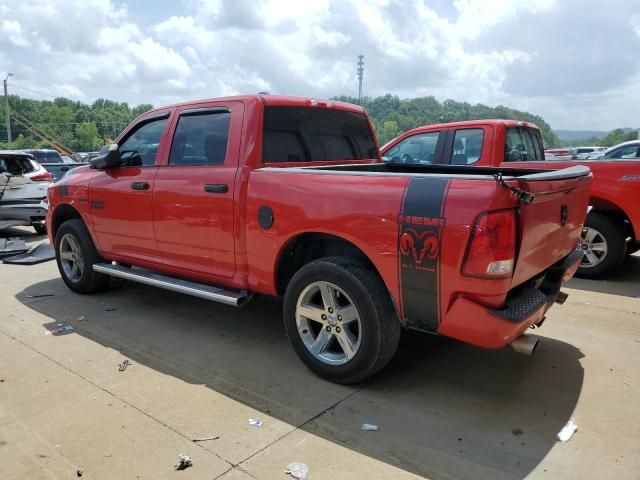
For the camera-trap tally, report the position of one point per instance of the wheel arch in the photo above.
(62, 213)
(605, 207)
(305, 247)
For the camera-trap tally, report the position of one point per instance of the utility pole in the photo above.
(360, 75)
(6, 109)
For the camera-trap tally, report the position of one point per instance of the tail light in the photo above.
(492, 248)
(43, 177)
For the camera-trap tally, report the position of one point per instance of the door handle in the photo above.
(140, 186)
(216, 188)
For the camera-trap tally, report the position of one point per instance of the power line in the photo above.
(32, 91)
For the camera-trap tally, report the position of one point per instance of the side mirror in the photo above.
(109, 157)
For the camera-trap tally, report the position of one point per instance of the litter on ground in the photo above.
(299, 471)
(567, 431)
(205, 439)
(184, 461)
(255, 421)
(370, 427)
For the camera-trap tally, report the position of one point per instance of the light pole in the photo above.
(6, 108)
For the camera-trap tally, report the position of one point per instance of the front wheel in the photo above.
(76, 255)
(340, 319)
(603, 244)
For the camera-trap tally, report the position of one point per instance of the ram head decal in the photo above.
(419, 245)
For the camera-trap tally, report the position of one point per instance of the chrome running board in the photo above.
(200, 290)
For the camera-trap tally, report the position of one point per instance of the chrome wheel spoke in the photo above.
(591, 258)
(68, 256)
(347, 343)
(328, 297)
(599, 247)
(590, 234)
(321, 342)
(348, 314)
(312, 313)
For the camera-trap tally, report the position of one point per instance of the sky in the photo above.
(576, 63)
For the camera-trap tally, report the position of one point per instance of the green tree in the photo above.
(86, 137)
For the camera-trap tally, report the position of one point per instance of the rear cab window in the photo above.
(294, 134)
(523, 144)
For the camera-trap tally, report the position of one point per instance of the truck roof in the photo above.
(271, 100)
(469, 123)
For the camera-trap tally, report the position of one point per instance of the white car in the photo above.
(581, 153)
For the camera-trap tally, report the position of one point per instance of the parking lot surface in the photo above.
(131, 376)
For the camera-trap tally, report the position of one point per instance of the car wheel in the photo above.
(76, 255)
(40, 228)
(603, 244)
(340, 319)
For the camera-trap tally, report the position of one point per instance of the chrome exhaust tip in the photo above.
(525, 343)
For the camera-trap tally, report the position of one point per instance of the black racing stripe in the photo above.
(419, 247)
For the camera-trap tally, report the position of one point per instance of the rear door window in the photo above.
(467, 146)
(416, 149)
(201, 138)
(307, 134)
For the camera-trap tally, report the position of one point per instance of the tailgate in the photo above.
(550, 226)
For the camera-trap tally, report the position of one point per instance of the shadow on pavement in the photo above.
(624, 281)
(446, 410)
(25, 233)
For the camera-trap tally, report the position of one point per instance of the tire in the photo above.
(605, 233)
(74, 242)
(372, 337)
(40, 228)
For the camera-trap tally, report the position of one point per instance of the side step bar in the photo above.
(208, 292)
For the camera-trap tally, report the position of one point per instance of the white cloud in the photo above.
(576, 66)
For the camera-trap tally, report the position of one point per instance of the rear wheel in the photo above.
(603, 244)
(76, 255)
(340, 319)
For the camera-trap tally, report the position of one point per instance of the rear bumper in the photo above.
(526, 305)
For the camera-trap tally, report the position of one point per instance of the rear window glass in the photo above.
(15, 165)
(301, 134)
(43, 157)
(523, 145)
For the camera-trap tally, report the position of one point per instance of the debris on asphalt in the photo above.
(42, 253)
(567, 431)
(12, 246)
(110, 309)
(370, 427)
(184, 461)
(57, 329)
(123, 366)
(255, 421)
(517, 431)
(42, 295)
(83, 318)
(79, 472)
(297, 470)
(205, 439)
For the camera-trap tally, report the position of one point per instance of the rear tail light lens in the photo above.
(492, 248)
(43, 177)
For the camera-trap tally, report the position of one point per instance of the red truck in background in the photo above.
(288, 196)
(612, 228)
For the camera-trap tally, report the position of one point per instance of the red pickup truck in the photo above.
(288, 197)
(612, 228)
